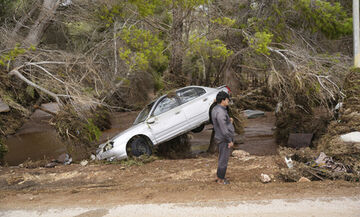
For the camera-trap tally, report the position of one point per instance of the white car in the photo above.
(171, 115)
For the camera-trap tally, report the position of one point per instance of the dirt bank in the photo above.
(165, 180)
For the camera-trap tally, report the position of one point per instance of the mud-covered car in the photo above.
(171, 115)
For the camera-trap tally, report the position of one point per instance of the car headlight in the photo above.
(109, 145)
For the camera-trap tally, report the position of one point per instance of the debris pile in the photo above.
(81, 129)
(298, 121)
(337, 155)
(176, 148)
(257, 99)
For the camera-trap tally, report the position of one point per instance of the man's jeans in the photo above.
(224, 154)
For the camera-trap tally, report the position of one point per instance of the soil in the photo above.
(165, 180)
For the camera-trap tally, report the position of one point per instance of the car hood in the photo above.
(133, 130)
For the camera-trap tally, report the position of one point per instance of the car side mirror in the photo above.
(150, 120)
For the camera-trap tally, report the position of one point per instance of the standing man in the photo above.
(224, 134)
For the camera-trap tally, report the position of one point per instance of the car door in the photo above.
(167, 119)
(195, 104)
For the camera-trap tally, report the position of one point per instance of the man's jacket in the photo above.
(224, 129)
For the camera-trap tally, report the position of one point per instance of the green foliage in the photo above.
(191, 3)
(208, 48)
(5, 7)
(133, 161)
(329, 18)
(158, 82)
(147, 7)
(144, 49)
(224, 21)
(260, 42)
(93, 132)
(12, 54)
(109, 15)
(30, 91)
(78, 28)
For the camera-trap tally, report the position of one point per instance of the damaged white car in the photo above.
(171, 115)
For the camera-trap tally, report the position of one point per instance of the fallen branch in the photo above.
(19, 75)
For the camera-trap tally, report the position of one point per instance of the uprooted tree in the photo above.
(120, 54)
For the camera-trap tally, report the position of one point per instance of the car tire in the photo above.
(140, 146)
(198, 129)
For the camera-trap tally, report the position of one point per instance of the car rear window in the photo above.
(189, 94)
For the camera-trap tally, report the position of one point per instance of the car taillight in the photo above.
(228, 89)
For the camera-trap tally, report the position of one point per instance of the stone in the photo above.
(51, 107)
(64, 159)
(4, 107)
(265, 178)
(240, 154)
(51, 165)
(303, 179)
(84, 163)
(251, 114)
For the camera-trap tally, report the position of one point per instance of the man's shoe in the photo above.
(223, 182)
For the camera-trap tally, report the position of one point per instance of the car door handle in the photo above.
(150, 120)
(205, 99)
(178, 112)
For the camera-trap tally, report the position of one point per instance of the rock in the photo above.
(21, 165)
(64, 159)
(351, 137)
(92, 157)
(250, 114)
(303, 179)
(265, 178)
(4, 107)
(53, 108)
(51, 165)
(240, 154)
(84, 163)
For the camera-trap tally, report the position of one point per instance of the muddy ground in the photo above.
(165, 180)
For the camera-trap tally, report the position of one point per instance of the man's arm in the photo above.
(221, 119)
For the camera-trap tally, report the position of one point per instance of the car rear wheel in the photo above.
(198, 129)
(140, 146)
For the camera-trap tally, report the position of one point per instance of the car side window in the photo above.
(187, 94)
(200, 91)
(165, 105)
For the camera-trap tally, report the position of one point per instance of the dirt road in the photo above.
(330, 207)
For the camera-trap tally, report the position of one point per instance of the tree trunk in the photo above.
(176, 41)
(213, 148)
(23, 20)
(37, 30)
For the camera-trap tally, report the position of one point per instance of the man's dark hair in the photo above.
(222, 95)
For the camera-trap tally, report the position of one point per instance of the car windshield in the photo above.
(143, 114)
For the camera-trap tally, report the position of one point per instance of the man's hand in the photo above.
(232, 120)
(230, 144)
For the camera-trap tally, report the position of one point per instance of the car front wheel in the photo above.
(140, 146)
